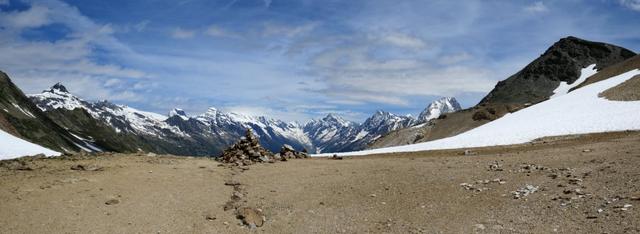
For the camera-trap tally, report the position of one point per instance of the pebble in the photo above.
(112, 201)
(372, 195)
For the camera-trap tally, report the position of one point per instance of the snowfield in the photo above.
(578, 112)
(564, 88)
(13, 147)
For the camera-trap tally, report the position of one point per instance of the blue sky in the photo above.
(293, 60)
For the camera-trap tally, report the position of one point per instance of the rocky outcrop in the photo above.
(561, 62)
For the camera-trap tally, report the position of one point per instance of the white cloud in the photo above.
(180, 33)
(273, 29)
(35, 16)
(455, 58)
(632, 4)
(403, 40)
(141, 26)
(216, 31)
(353, 76)
(35, 65)
(536, 7)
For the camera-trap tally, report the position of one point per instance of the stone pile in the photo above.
(246, 152)
(249, 151)
(287, 152)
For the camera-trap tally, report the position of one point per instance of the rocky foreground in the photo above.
(585, 184)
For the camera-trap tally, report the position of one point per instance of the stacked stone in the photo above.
(287, 152)
(246, 152)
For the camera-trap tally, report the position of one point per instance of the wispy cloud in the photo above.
(292, 59)
(536, 7)
(632, 4)
(403, 40)
(180, 33)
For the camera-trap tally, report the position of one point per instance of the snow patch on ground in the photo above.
(578, 112)
(564, 88)
(13, 147)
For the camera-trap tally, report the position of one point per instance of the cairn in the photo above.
(248, 151)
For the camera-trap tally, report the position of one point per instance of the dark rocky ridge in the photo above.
(20, 117)
(561, 62)
(534, 83)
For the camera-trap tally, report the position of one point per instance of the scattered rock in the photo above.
(495, 166)
(81, 167)
(210, 217)
(524, 191)
(112, 201)
(16, 164)
(479, 226)
(469, 152)
(336, 157)
(231, 183)
(237, 195)
(251, 216)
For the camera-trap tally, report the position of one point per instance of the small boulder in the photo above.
(251, 216)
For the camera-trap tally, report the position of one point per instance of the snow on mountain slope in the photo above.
(564, 88)
(13, 147)
(272, 133)
(438, 107)
(120, 117)
(578, 112)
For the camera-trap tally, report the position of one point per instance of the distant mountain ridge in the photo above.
(208, 133)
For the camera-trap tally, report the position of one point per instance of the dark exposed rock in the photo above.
(561, 62)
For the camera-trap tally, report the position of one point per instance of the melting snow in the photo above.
(564, 88)
(578, 112)
(13, 147)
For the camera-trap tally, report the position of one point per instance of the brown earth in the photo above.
(626, 91)
(583, 184)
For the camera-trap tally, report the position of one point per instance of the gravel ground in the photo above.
(575, 184)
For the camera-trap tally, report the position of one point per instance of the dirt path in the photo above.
(587, 184)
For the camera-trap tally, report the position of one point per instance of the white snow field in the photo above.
(13, 147)
(564, 88)
(578, 112)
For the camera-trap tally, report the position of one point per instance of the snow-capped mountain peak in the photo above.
(438, 107)
(337, 120)
(59, 87)
(120, 117)
(178, 112)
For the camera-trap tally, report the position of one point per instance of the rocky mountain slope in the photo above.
(562, 62)
(21, 118)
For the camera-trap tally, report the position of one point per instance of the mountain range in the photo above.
(103, 125)
(59, 120)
